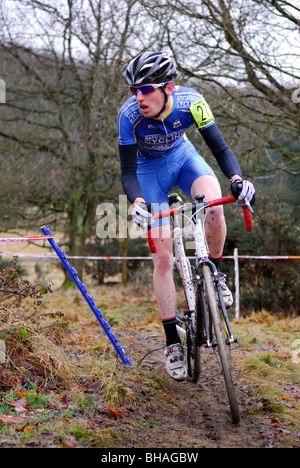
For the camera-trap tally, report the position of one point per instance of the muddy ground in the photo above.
(197, 415)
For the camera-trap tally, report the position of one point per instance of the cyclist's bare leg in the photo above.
(166, 298)
(163, 283)
(215, 225)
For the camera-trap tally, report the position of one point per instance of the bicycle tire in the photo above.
(190, 341)
(221, 344)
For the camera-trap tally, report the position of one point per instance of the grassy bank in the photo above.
(269, 359)
(63, 385)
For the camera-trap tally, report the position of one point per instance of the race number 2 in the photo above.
(202, 114)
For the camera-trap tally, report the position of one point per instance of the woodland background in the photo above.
(62, 63)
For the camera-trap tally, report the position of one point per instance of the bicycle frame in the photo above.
(182, 263)
(203, 313)
(201, 253)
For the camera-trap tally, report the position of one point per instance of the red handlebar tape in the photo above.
(220, 201)
(226, 201)
(151, 242)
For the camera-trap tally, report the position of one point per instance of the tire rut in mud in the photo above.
(194, 415)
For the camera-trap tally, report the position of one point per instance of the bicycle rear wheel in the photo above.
(220, 338)
(190, 330)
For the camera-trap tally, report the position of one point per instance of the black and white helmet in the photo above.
(150, 67)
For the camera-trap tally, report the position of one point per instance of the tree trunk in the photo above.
(78, 227)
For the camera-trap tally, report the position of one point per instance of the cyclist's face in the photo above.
(150, 104)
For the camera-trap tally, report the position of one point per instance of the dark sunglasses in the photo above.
(145, 89)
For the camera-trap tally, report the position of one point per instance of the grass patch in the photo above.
(265, 358)
(75, 391)
(63, 370)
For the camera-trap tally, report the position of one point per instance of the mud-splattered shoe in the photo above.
(175, 364)
(227, 295)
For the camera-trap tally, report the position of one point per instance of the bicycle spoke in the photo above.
(187, 329)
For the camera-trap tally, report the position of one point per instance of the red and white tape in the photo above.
(264, 257)
(268, 257)
(7, 240)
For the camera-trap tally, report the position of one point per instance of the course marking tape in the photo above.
(263, 257)
(7, 240)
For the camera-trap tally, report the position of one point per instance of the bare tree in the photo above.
(64, 63)
(246, 56)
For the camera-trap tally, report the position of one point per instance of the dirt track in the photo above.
(197, 415)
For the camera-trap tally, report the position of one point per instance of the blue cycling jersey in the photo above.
(156, 137)
(143, 140)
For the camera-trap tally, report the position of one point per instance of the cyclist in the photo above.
(156, 155)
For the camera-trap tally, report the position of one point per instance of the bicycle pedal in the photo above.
(228, 341)
(212, 344)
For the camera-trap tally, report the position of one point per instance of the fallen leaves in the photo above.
(286, 398)
(114, 412)
(19, 405)
(111, 406)
(27, 429)
(71, 442)
(12, 419)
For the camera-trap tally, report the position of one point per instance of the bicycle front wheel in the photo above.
(211, 297)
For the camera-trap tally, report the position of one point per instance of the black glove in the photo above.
(244, 192)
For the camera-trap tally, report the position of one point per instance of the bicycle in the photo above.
(201, 315)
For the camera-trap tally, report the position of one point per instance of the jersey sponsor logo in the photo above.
(177, 124)
(133, 114)
(183, 102)
(186, 100)
(163, 139)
